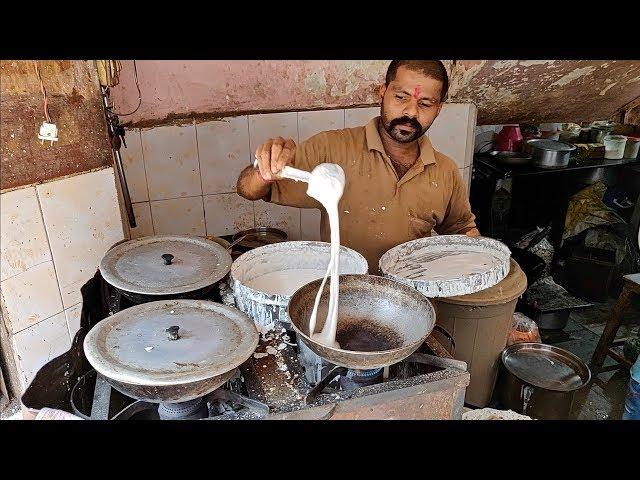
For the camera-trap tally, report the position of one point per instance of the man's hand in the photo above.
(474, 232)
(273, 155)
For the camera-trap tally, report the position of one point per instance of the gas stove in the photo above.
(285, 380)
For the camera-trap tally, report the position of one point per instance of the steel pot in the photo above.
(549, 153)
(257, 237)
(163, 267)
(554, 320)
(540, 380)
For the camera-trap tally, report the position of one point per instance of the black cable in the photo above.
(135, 70)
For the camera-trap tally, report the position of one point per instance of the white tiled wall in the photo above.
(36, 345)
(171, 162)
(452, 132)
(23, 240)
(227, 213)
(83, 221)
(53, 238)
(176, 160)
(356, 117)
(178, 215)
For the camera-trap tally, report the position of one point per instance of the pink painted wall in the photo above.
(174, 89)
(504, 91)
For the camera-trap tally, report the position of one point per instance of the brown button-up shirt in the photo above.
(379, 211)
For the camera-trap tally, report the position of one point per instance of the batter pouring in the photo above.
(326, 186)
(400, 187)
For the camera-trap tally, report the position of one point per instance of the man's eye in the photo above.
(400, 97)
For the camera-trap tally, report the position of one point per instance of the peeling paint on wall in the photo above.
(574, 75)
(505, 91)
(607, 88)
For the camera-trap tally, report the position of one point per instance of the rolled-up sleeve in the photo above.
(458, 218)
(309, 154)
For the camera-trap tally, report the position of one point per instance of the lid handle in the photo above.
(167, 257)
(173, 332)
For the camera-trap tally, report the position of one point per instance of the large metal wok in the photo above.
(388, 319)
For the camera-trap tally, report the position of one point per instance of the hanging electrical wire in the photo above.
(135, 71)
(44, 93)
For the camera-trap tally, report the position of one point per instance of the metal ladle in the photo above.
(290, 173)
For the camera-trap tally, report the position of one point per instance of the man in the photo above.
(398, 188)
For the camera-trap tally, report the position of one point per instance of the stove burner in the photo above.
(360, 378)
(190, 410)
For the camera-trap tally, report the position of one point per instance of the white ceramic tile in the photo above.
(72, 316)
(278, 216)
(144, 224)
(310, 224)
(227, 213)
(179, 216)
(31, 296)
(171, 162)
(23, 241)
(271, 125)
(310, 123)
(359, 117)
(223, 148)
(452, 133)
(133, 162)
(36, 345)
(83, 220)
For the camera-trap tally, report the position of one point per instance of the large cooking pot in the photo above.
(541, 380)
(279, 261)
(170, 351)
(549, 153)
(163, 267)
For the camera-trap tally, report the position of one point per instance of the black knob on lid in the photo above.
(173, 332)
(167, 257)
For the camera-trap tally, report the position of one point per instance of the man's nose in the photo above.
(411, 110)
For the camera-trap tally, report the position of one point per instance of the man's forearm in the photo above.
(251, 185)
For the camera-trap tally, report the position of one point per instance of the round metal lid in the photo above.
(546, 366)
(165, 264)
(416, 263)
(554, 145)
(136, 345)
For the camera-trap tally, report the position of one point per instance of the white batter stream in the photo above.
(326, 185)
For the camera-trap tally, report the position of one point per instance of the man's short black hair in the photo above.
(430, 68)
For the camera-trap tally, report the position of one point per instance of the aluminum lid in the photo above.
(553, 145)
(546, 366)
(134, 346)
(165, 264)
(414, 263)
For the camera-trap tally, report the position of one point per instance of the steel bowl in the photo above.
(549, 153)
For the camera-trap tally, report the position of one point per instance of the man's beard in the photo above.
(411, 131)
